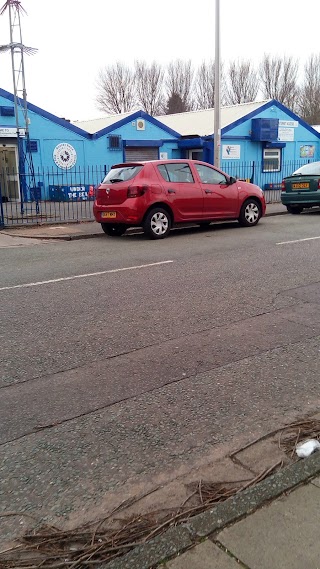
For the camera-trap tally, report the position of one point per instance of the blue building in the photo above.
(65, 155)
(260, 141)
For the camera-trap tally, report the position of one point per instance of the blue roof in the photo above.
(272, 103)
(73, 128)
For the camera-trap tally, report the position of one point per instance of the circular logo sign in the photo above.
(64, 155)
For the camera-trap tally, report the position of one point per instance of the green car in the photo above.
(302, 189)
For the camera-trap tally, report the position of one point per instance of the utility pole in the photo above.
(17, 50)
(217, 89)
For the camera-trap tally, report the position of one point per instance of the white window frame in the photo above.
(276, 155)
(192, 151)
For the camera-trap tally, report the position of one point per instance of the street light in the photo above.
(217, 94)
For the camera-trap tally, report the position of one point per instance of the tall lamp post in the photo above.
(217, 89)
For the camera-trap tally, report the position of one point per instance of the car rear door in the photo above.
(183, 191)
(221, 199)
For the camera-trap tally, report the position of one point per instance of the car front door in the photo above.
(220, 197)
(183, 190)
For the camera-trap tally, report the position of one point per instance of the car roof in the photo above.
(172, 161)
(309, 166)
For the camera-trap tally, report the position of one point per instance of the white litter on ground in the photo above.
(306, 448)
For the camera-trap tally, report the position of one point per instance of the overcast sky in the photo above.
(76, 38)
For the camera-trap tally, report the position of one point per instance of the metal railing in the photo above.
(49, 196)
(57, 196)
(269, 180)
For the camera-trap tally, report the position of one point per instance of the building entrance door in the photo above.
(9, 178)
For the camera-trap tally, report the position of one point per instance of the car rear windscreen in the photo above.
(121, 174)
(312, 169)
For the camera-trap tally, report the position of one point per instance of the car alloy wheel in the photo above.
(250, 213)
(157, 223)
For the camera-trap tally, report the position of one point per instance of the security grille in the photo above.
(141, 154)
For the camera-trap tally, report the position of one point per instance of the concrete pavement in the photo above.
(274, 524)
(86, 230)
(281, 535)
(284, 534)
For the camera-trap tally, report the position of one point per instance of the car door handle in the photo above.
(208, 192)
(171, 191)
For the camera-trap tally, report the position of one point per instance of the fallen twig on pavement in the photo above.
(101, 541)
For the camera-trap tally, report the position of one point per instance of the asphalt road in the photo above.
(138, 358)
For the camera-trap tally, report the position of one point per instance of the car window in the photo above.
(210, 175)
(312, 169)
(121, 174)
(176, 172)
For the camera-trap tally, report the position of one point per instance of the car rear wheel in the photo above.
(115, 230)
(250, 213)
(157, 223)
(295, 209)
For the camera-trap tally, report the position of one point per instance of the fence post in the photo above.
(1, 210)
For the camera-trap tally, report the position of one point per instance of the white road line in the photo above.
(27, 285)
(298, 240)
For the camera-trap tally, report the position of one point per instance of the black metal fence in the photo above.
(57, 196)
(49, 196)
(263, 175)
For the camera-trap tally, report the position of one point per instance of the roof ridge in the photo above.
(212, 108)
(131, 112)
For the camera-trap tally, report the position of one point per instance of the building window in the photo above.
(32, 146)
(114, 142)
(7, 111)
(196, 154)
(271, 160)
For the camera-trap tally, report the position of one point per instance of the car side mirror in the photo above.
(232, 180)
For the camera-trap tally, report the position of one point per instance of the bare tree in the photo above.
(149, 87)
(179, 81)
(279, 79)
(204, 86)
(309, 100)
(242, 83)
(116, 89)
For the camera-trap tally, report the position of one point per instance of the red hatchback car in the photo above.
(157, 194)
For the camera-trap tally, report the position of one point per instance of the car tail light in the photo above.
(136, 191)
(283, 186)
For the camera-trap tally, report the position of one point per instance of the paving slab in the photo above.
(206, 555)
(282, 535)
(316, 481)
(262, 455)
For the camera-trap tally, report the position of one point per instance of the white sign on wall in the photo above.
(231, 151)
(285, 134)
(11, 132)
(64, 155)
(292, 124)
(8, 131)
